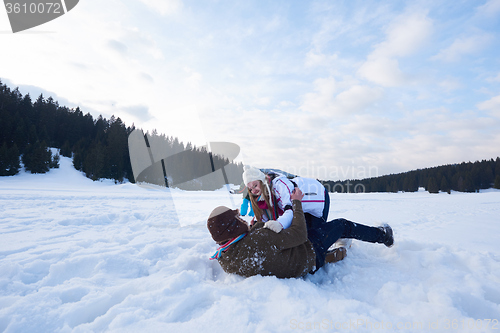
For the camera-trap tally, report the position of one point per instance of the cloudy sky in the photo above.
(329, 89)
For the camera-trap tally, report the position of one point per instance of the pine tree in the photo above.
(486, 176)
(20, 136)
(432, 186)
(66, 149)
(394, 187)
(497, 182)
(94, 164)
(497, 167)
(4, 161)
(14, 164)
(54, 162)
(116, 149)
(469, 184)
(444, 185)
(37, 158)
(460, 184)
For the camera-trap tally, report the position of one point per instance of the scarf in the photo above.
(272, 213)
(225, 247)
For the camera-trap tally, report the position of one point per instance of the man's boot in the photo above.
(336, 254)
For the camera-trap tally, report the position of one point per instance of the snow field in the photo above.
(83, 256)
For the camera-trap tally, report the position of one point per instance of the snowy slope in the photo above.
(80, 256)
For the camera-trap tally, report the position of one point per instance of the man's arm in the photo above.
(296, 234)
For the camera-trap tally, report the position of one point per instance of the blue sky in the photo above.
(327, 89)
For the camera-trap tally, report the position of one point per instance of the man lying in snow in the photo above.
(292, 252)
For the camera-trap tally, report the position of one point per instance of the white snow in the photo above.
(82, 256)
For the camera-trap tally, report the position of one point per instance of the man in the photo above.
(288, 253)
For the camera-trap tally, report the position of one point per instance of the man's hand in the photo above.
(297, 194)
(274, 226)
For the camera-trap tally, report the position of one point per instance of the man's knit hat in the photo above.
(250, 174)
(223, 224)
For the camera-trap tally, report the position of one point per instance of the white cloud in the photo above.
(286, 104)
(463, 46)
(383, 71)
(321, 100)
(492, 105)
(140, 112)
(193, 79)
(164, 7)
(494, 79)
(355, 99)
(489, 9)
(262, 101)
(423, 138)
(117, 46)
(405, 36)
(451, 84)
(146, 77)
(317, 59)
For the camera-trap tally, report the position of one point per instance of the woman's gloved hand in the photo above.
(274, 226)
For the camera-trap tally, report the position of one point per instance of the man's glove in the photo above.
(274, 226)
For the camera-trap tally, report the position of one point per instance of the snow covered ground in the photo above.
(82, 256)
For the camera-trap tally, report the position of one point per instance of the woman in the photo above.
(271, 203)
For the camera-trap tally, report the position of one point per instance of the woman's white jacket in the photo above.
(312, 203)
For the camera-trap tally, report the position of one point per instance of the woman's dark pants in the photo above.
(324, 234)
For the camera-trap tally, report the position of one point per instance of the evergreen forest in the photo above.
(98, 147)
(463, 177)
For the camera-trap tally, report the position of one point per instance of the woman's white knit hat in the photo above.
(250, 174)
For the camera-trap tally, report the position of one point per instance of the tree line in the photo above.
(98, 147)
(463, 177)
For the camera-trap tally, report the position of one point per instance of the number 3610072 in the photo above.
(34, 8)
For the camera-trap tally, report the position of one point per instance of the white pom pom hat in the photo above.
(251, 173)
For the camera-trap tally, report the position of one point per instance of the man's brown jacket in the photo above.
(285, 254)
